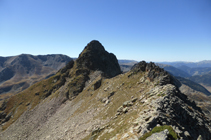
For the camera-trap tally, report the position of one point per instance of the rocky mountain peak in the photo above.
(95, 45)
(154, 72)
(95, 57)
(94, 61)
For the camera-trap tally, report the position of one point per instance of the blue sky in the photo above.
(150, 30)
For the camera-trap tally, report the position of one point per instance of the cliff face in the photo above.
(89, 100)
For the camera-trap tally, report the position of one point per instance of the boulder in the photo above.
(199, 138)
(127, 103)
(163, 135)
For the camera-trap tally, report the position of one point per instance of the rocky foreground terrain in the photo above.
(91, 99)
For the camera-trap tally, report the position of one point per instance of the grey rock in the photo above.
(107, 102)
(177, 130)
(120, 109)
(142, 79)
(163, 135)
(186, 133)
(125, 110)
(118, 113)
(199, 138)
(104, 99)
(127, 103)
(134, 99)
(138, 128)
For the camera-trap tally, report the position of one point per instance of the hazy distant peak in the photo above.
(28, 69)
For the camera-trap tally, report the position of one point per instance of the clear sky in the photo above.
(150, 30)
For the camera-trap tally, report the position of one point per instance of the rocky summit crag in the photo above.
(94, 57)
(90, 99)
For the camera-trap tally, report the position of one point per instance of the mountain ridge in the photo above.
(204, 63)
(78, 73)
(85, 100)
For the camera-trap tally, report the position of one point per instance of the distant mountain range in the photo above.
(205, 63)
(127, 62)
(19, 72)
(126, 65)
(196, 70)
(190, 68)
(200, 75)
(183, 69)
(174, 71)
(196, 73)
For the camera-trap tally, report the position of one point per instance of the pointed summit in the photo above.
(95, 45)
(95, 57)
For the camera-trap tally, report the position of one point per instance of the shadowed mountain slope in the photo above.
(202, 79)
(194, 85)
(195, 71)
(88, 100)
(198, 96)
(19, 72)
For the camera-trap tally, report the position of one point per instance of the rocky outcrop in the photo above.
(95, 57)
(168, 106)
(163, 135)
(176, 110)
(154, 72)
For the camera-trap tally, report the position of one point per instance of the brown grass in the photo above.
(131, 87)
